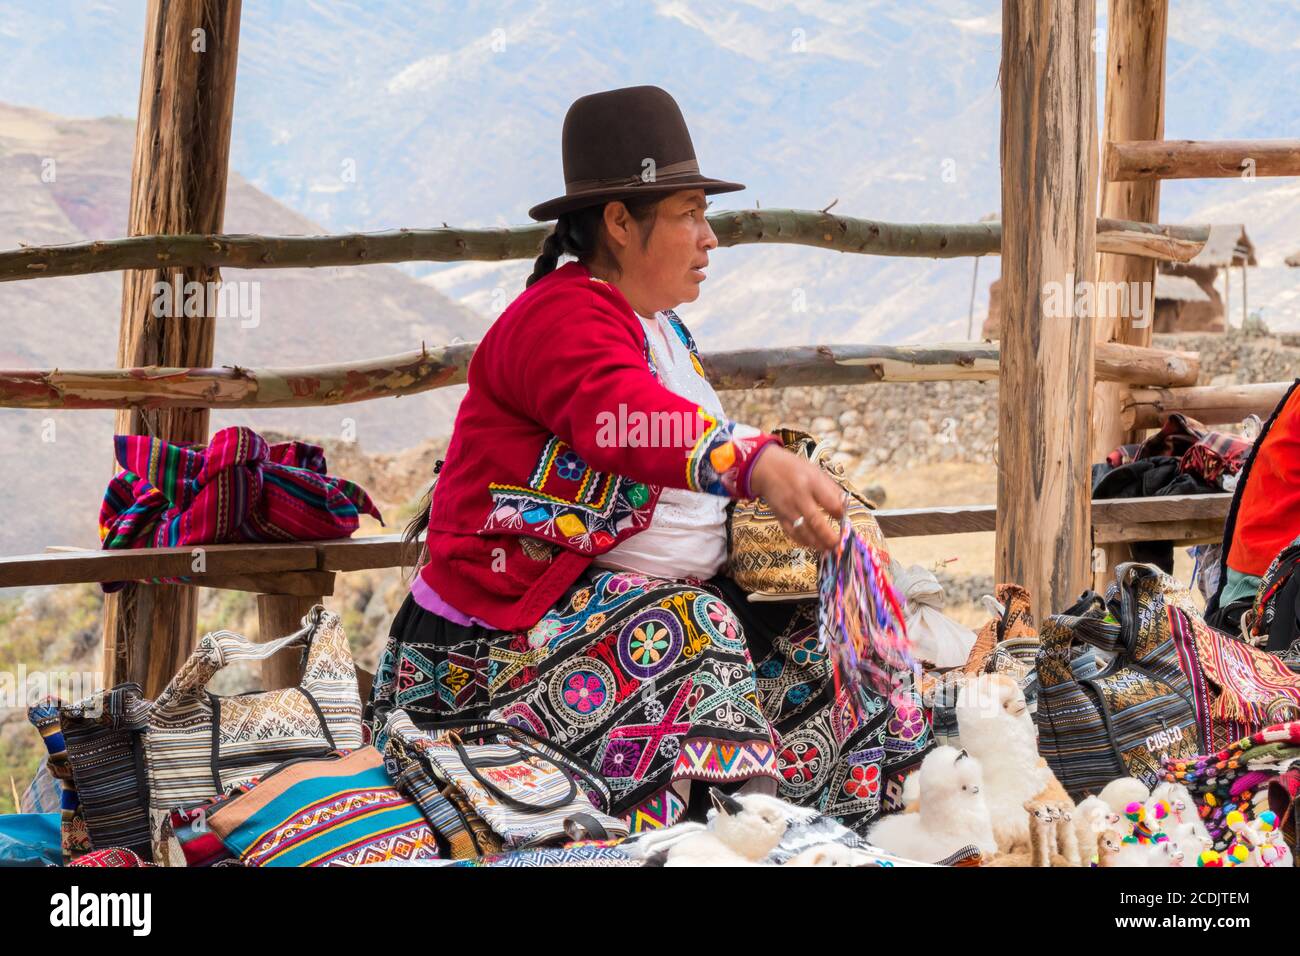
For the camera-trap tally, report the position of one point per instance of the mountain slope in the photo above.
(305, 317)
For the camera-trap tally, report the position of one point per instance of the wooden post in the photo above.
(1245, 307)
(1135, 110)
(178, 185)
(1049, 182)
(278, 615)
(1227, 296)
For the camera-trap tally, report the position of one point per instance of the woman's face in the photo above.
(666, 269)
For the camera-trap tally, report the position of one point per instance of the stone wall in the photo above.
(903, 425)
(890, 425)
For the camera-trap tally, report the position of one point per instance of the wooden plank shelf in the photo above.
(308, 568)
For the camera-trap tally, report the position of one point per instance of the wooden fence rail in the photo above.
(1194, 159)
(410, 372)
(1208, 404)
(297, 567)
(805, 227)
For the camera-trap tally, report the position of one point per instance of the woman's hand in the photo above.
(796, 488)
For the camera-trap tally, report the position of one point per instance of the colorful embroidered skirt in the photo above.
(658, 684)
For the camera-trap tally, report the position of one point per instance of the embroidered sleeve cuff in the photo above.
(720, 461)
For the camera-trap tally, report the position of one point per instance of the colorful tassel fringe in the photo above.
(860, 618)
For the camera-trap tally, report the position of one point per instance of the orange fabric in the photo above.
(1019, 622)
(1268, 515)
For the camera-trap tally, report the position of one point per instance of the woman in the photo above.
(578, 528)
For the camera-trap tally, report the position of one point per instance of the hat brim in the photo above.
(571, 201)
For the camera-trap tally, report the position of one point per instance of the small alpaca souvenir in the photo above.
(1051, 813)
(1183, 825)
(745, 829)
(1172, 852)
(1122, 791)
(1112, 851)
(995, 727)
(1144, 824)
(1092, 818)
(827, 854)
(1042, 833)
(951, 812)
(1260, 838)
(1117, 849)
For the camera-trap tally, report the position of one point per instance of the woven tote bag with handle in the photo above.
(763, 560)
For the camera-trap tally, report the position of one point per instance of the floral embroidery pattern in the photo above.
(908, 721)
(570, 466)
(650, 643)
(862, 782)
(621, 758)
(568, 502)
(584, 692)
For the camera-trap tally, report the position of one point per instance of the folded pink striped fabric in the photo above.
(237, 488)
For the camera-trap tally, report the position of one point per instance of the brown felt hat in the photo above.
(608, 140)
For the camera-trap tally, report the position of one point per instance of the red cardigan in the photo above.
(560, 448)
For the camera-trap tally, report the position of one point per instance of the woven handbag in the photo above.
(337, 810)
(1132, 713)
(763, 560)
(502, 785)
(104, 735)
(44, 716)
(199, 745)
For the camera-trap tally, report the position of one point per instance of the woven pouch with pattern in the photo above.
(763, 560)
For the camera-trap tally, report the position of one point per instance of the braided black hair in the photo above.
(580, 234)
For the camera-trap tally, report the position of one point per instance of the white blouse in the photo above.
(687, 535)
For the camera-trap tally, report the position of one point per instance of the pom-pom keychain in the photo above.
(860, 616)
(1137, 817)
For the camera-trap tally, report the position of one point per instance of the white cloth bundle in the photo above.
(936, 638)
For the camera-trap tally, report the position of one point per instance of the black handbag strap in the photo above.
(216, 762)
(557, 753)
(583, 826)
(472, 766)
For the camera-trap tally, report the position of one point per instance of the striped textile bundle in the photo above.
(44, 794)
(105, 740)
(340, 810)
(1236, 777)
(236, 489)
(463, 840)
(199, 745)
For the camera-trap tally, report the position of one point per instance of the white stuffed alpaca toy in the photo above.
(1093, 817)
(952, 812)
(1122, 791)
(1182, 825)
(742, 832)
(995, 727)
